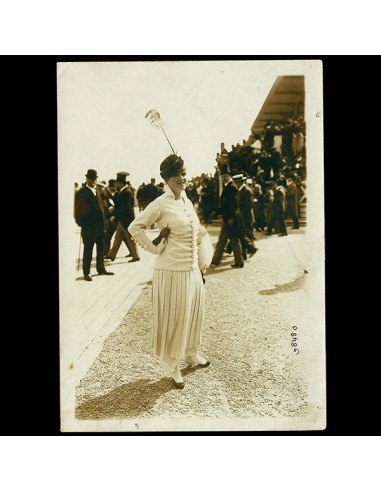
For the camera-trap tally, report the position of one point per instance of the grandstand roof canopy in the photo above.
(285, 100)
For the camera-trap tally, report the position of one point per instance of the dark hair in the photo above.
(171, 166)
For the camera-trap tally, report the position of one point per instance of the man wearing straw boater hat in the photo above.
(90, 216)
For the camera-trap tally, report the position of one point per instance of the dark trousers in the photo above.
(247, 245)
(111, 228)
(260, 222)
(207, 210)
(246, 237)
(221, 243)
(88, 246)
(277, 220)
(270, 223)
(295, 219)
(122, 234)
(248, 234)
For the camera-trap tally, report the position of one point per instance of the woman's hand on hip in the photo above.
(164, 233)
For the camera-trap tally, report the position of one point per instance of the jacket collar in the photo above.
(91, 189)
(169, 192)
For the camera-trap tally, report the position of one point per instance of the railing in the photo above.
(303, 189)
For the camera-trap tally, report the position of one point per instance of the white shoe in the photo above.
(197, 360)
(177, 378)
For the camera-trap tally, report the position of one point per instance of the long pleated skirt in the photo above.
(178, 313)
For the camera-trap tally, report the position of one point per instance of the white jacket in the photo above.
(180, 251)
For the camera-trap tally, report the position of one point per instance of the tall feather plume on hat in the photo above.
(154, 117)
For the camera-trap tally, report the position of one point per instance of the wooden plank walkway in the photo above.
(104, 302)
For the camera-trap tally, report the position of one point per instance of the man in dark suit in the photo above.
(109, 213)
(292, 200)
(230, 227)
(90, 216)
(279, 205)
(124, 214)
(246, 214)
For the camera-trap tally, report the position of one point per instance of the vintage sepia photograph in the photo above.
(191, 246)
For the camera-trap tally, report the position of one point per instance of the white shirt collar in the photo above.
(124, 187)
(242, 186)
(93, 190)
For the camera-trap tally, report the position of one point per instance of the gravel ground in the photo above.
(254, 371)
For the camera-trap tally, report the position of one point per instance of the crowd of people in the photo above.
(270, 168)
(275, 158)
(280, 148)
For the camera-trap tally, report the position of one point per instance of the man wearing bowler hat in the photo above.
(124, 213)
(90, 216)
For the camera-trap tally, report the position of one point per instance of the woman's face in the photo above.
(178, 183)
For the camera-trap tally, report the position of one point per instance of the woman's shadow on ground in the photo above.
(126, 401)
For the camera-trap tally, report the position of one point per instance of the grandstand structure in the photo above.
(285, 100)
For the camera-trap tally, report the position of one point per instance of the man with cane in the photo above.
(90, 216)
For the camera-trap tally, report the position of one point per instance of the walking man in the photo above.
(246, 214)
(90, 216)
(124, 213)
(230, 227)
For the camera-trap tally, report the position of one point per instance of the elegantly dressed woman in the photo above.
(184, 251)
